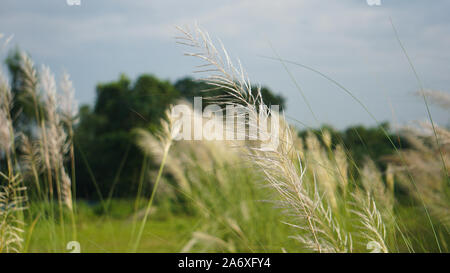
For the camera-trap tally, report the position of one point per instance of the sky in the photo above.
(350, 41)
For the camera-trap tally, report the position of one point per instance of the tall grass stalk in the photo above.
(280, 164)
(431, 120)
(167, 135)
(12, 195)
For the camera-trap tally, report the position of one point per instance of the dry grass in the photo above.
(238, 187)
(44, 150)
(312, 181)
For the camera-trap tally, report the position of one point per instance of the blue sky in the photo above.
(349, 41)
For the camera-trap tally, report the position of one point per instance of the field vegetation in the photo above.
(113, 177)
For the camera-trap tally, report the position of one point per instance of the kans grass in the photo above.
(220, 196)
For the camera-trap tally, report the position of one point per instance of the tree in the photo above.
(108, 161)
(104, 137)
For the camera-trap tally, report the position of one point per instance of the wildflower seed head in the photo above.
(68, 104)
(5, 131)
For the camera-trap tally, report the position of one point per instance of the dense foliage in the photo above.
(108, 161)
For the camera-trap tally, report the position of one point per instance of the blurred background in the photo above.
(350, 41)
(336, 68)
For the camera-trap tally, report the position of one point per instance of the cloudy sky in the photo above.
(350, 41)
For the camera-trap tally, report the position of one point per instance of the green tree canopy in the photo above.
(106, 154)
(104, 136)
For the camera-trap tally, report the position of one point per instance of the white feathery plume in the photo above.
(12, 202)
(5, 121)
(279, 163)
(5, 131)
(372, 227)
(48, 86)
(6, 42)
(439, 98)
(66, 188)
(30, 77)
(12, 198)
(67, 102)
(56, 136)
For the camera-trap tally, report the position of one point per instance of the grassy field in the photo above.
(106, 234)
(114, 231)
(281, 193)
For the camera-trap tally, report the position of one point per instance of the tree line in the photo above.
(108, 162)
